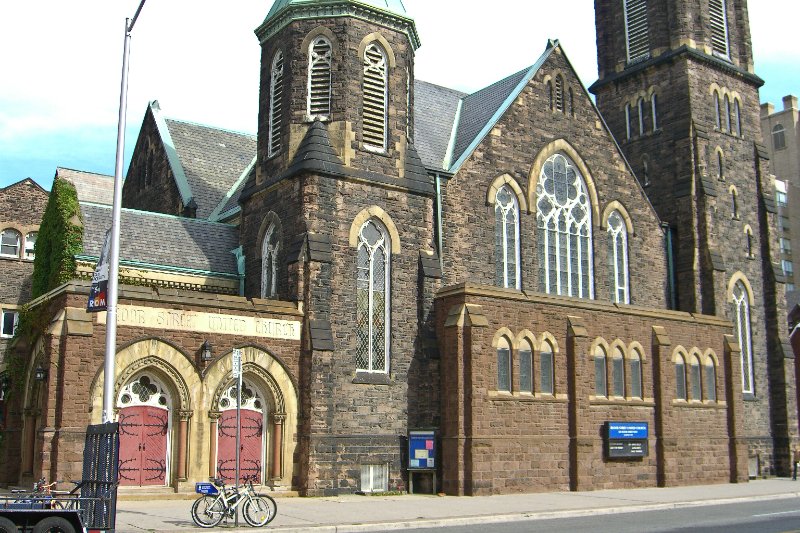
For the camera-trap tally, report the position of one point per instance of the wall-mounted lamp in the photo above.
(40, 373)
(206, 353)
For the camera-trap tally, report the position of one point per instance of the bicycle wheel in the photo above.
(208, 511)
(257, 511)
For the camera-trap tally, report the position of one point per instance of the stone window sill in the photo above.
(372, 378)
(505, 396)
(694, 404)
(602, 400)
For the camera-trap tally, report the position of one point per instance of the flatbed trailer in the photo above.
(93, 509)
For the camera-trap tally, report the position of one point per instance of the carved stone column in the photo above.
(277, 444)
(183, 435)
(212, 434)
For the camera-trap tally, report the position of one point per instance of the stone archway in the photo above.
(266, 373)
(175, 371)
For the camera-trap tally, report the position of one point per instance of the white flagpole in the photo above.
(113, 267)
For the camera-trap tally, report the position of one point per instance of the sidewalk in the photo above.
(381, 513)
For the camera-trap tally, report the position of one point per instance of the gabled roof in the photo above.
(163, 242)
(206, 162)
(29, 181)
(481, 110)
(212, 160)
(91, 187)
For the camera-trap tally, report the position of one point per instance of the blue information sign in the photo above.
(421, 450)
(627, 430)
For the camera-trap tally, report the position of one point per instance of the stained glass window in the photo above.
(563, 214)
(506, 238)
(741, 323)
(618, 258)
(269, 262)
(372, 304)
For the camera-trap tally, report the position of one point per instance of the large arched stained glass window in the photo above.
(269, 262)
(506, 238)
(741, 324)
(563, 216)
(372, 307)
(618, 257)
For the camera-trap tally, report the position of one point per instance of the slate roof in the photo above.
(212, 159)
(435, 110)
(91, 187)
(163, 240)
(393, 6)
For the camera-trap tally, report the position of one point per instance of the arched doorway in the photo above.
(144, 430)
(252, 436)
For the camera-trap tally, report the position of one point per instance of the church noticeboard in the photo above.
(422, 450)
(180, 320)
(626, 439)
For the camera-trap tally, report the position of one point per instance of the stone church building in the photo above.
(519, 270)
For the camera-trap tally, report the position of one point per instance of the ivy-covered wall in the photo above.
(60, 239)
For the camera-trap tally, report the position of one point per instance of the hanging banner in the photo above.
(99, 290)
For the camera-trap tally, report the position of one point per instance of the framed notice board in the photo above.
(422, 450)
(626, 439)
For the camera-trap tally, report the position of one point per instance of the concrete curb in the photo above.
(519, 517)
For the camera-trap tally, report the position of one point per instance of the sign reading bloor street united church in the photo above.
(626, 439)
(180, 320)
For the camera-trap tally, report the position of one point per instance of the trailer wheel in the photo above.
(7, 526)
(53, 524)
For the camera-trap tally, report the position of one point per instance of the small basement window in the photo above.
(374, 478)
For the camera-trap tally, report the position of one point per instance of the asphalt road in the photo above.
(778, 516)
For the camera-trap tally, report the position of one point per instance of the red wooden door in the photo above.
(143, 446)
(252, 447)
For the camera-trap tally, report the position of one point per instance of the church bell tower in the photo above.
(678, 90)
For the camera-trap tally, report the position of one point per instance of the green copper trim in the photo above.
(163, 268)
(217, 212)
(182, 183)
(285, 11)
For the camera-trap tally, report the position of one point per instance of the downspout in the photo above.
(673, 303)
(438, 179)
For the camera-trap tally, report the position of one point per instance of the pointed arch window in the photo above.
(546, 369)
(727, 113)
(563, 215)
(720, 166)
(654, 110)
(779, 137)
(319, 78)
(640, 108)
(734, 204)
(618, 256)
(717, 111)
(600, 369)
(506, 238)
(269, 262)
(710, 382)
(719, 27)
(748, 233)
(550, 94)
(372, 300)
(680, 378)
(741, 326)
(636, 374)
(737, 117)
(525, 366)
(618, 373)
(694, 378)
(275, 104)
(628, 121)
(636, 30)
(503, 365)
(375, 97)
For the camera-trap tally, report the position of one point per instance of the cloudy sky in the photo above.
(61, 64)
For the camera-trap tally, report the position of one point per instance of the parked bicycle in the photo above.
(218, 502)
